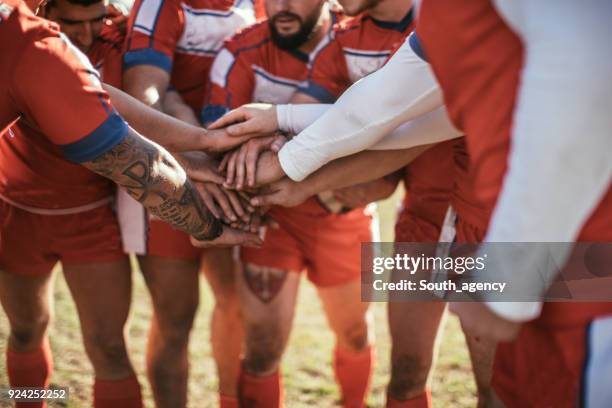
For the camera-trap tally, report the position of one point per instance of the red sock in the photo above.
(123, 393)
(421, 401)
(225, 401)
(30, 369)
(353, 372)
(260, 392)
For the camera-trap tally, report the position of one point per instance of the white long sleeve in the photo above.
(432, 127)
(561, 160)
(370, 109)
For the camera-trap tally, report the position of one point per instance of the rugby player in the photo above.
(39, 63)
(268, 63)
(171, 45)
(488, 141)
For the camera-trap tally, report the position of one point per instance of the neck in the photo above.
(318, 32)
(391, 11)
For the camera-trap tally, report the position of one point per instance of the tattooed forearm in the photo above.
(154, 178)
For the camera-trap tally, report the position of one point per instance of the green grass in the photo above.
(307, 365)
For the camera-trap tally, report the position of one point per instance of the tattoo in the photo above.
(154, 178)
(264, 283)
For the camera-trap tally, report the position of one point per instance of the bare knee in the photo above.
(27, 336)
(354, 337)
(107, 352)
(409, 375)
(264, 349)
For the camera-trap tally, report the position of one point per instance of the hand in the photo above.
(268, 169)
(225, 204)
(229, 238)
(254, 119)
(243, 161)
(220, 140)
(478, 320)
(200, 167)
(285, 192)
(363, 194)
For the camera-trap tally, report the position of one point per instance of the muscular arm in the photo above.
(148, 84)
(400, 91)
(175, 135)
(154, 178)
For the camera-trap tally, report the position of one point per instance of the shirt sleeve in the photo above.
(231, 85)
(328, 77)
(154, 29)
(58, 90)
(370, 109)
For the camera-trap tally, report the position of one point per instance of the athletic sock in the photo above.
(225, 401)
(260, 392)
(420, 401)
(30, 369)
(123, 393)
(353, 373)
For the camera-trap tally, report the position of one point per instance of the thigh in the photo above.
(219, 267)
(174, 287)
(102, 293)
(267, 298)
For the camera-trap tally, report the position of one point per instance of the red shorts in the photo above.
(327, 246)
(165, 241)
(31, 244)
(558, 360)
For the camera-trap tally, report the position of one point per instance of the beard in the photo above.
(294, 41)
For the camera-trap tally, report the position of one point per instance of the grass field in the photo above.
(306, 369)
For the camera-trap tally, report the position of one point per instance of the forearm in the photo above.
(153, 177)
(163, 129)
(400, 91)
(174, 106)
(359, 168)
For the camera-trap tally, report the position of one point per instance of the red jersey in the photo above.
(481, 102)
(251, 68)
(38, 64)
(360, 46)
(33, 169)
(183, 38)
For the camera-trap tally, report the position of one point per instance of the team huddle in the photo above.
(247, 139)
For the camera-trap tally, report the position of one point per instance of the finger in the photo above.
(208, 201)
(251, 165)
(206, 175)
(231, 169)
(236, 115)
(223, 164)
(264, 200)
(240, 163)
(237, 205)
(250, 128)
(223, 202)
(278, 144)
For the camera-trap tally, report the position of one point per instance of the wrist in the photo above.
(212, 231)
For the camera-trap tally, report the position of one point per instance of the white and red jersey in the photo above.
(183, 38)
(33, 169)
(360, 46)
(251, 68)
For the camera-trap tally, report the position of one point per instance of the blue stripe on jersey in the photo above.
(109, 134)
(415, 44)
(318, 92)
(147, 56)
(210, 113)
